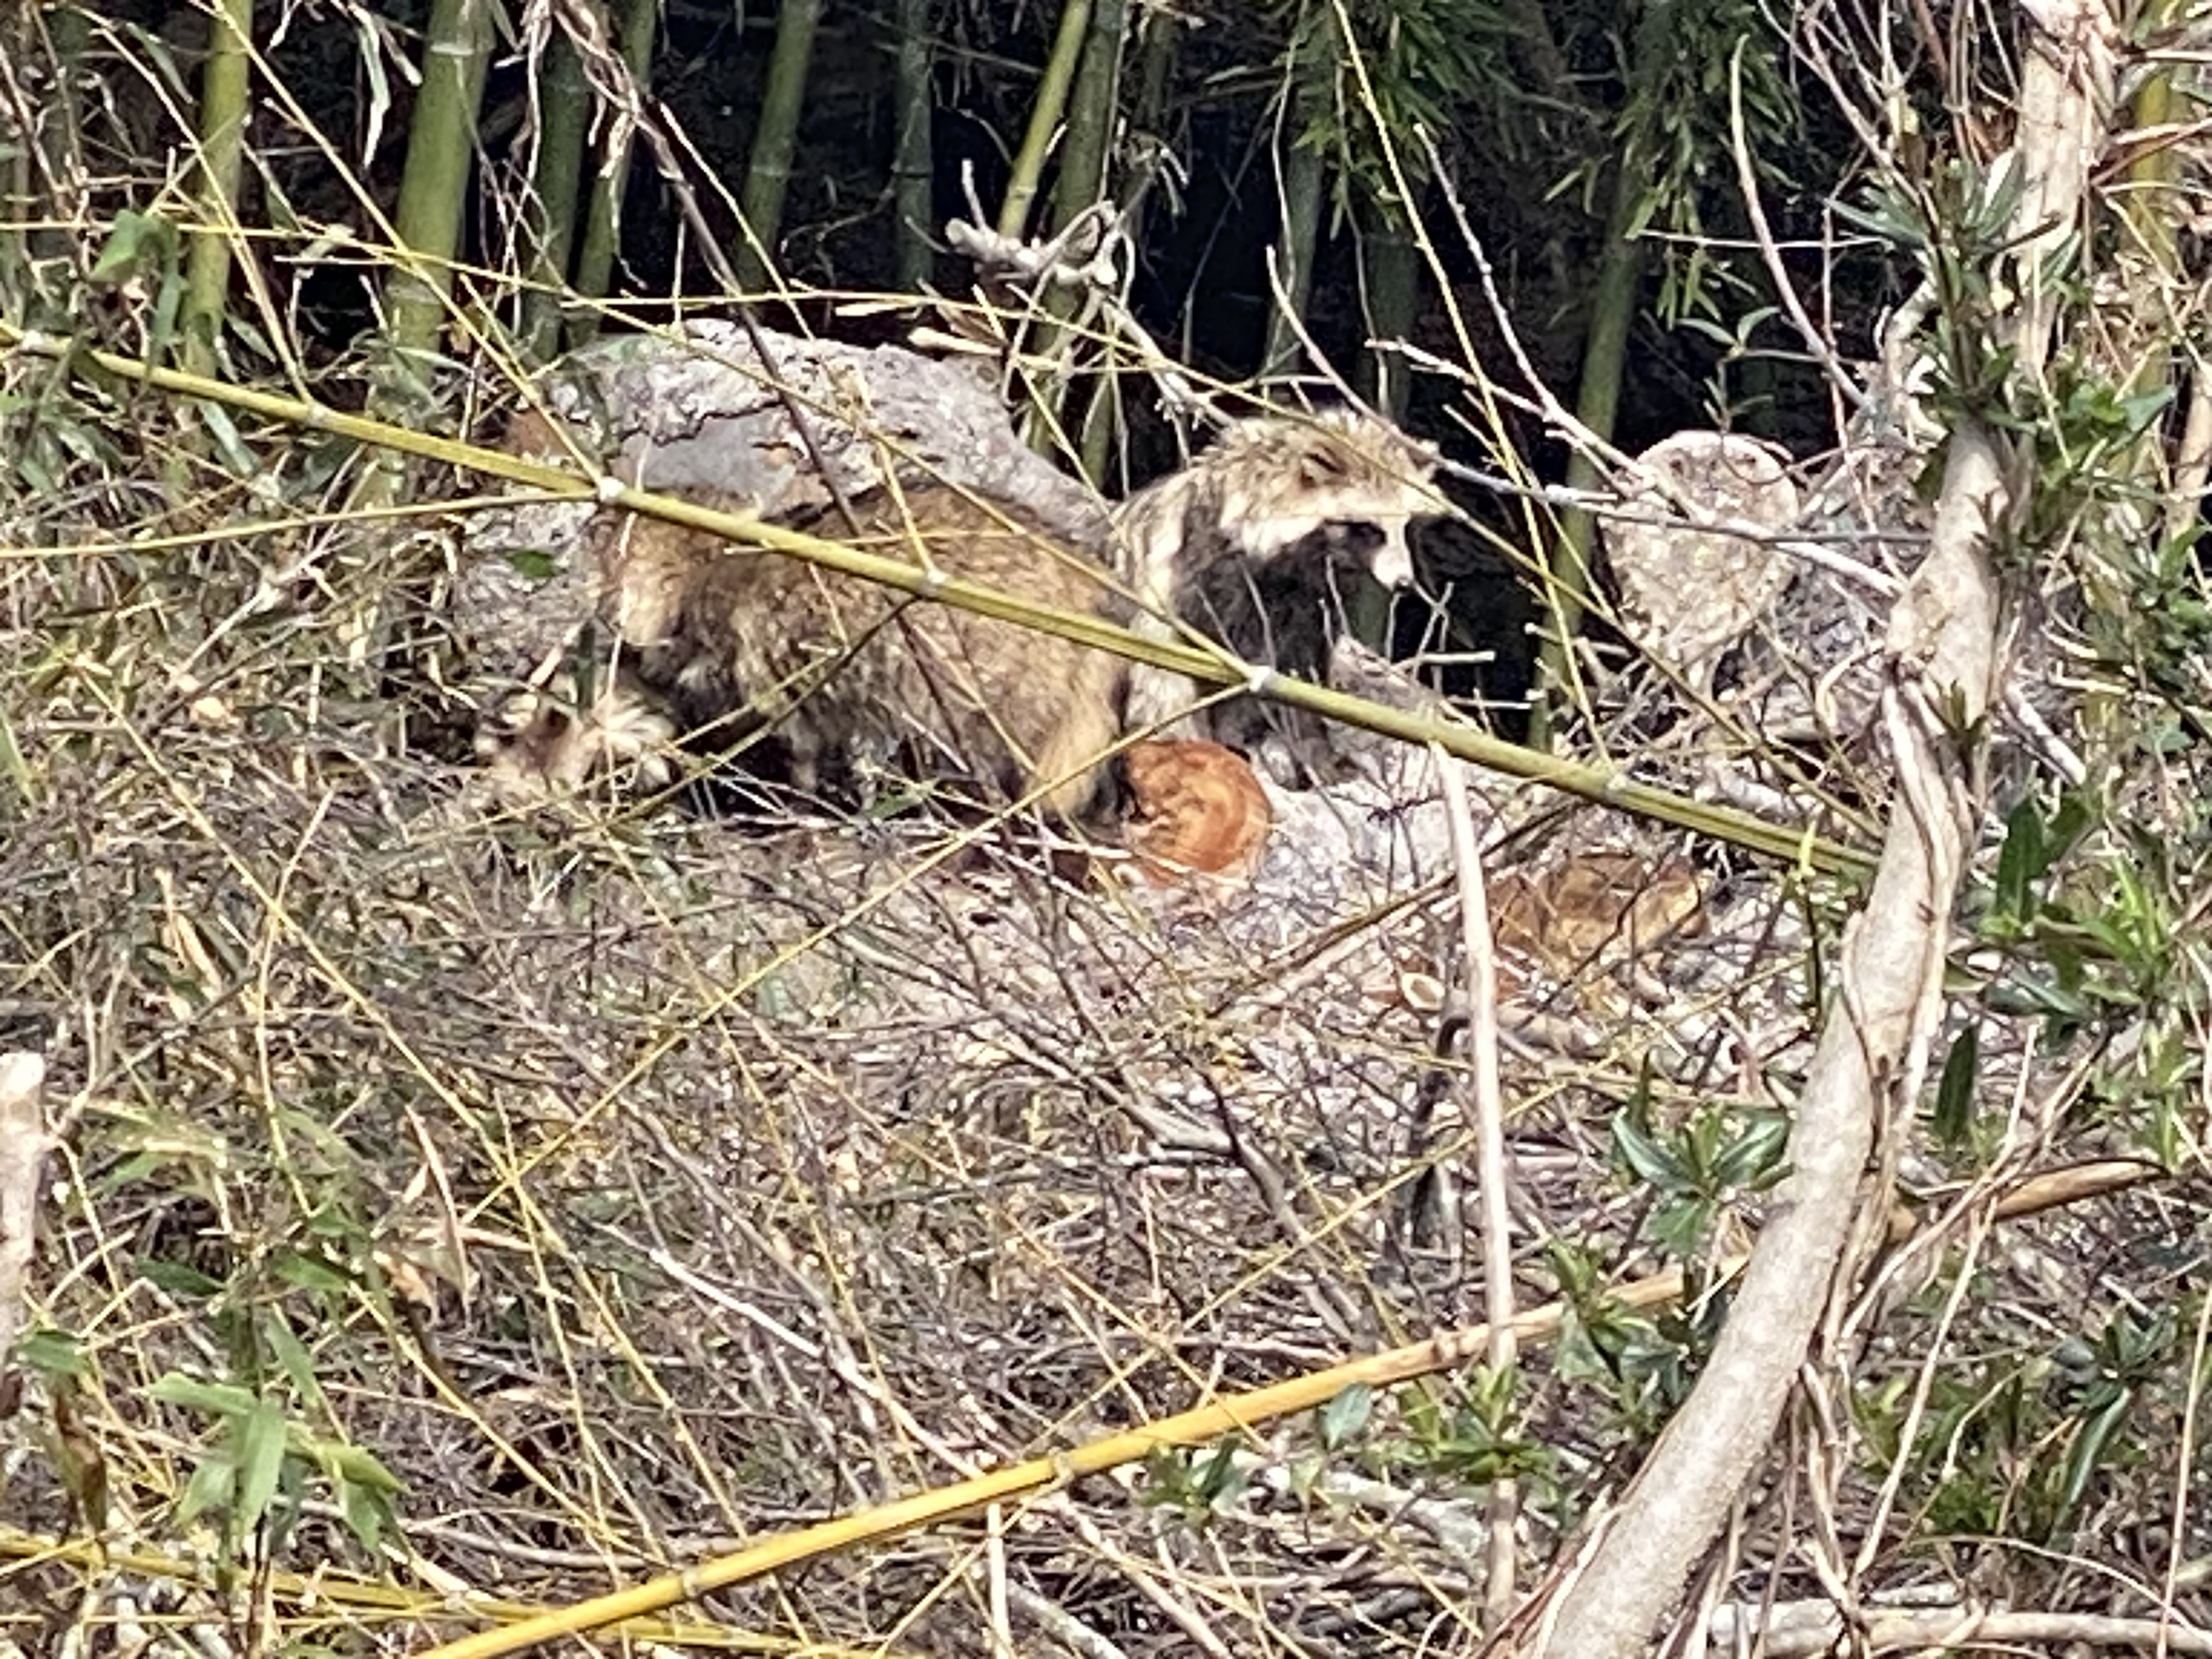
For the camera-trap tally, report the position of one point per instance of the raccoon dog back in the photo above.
(853, 673)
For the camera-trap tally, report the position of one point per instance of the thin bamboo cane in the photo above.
(912, 167)
(441, 144)
(1597, 400)
(557, 181)
(1235, 1414)
(1390, 271)
(1301, 180)
(1044, 118)
(595, 254)
(1082, 183)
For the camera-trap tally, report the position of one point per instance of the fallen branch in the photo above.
(1817, 1627)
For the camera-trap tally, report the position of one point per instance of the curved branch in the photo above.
(1942, 646)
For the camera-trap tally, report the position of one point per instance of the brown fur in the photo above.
(1248, 543)
(847, 672)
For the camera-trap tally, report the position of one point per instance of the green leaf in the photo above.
(1216, 1481)
(261, 1441)
(1954, 1090)
(1754, 1159)
(306, 1272)
(535, 563)
(299, 1366)
(2076, 817)
(227, 440)
(50, 1352)
(1679, 1227)
(175, 1279)
(224, 1399)
(1346, 1416)
(119, 254)
(2086, 1453)
(2021, 860)
(366, 1515)
(209, 1491)
(356, 1467)
(1646, 1159)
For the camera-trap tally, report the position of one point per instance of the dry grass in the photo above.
(628, 1184)
(624, 1183)
(455, 1200)
(448, 1203)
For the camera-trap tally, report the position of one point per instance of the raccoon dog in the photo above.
(1258, 542)
(843, 673)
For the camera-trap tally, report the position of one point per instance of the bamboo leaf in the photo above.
(1954, 1090)
(224, 1399)
(261, 1442)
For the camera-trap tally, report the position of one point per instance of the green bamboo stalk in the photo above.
(1101, 422)
(14, 214)
(427, 222)
(1597, 402)
(767, 173)
(913, 167)
(1614, 294)
(1067, 46)
(595, 254)
(433, 183)
(1156, 40)
(18, 197)
(1158, 37)
(2148, 206)
(49, 150)
(1085, 152)
(557, 180)
(1391, 273)
(1090, 111)
(223, 110)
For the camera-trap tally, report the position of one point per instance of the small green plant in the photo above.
(1475, 1439)
(1699, 1169)
(1201, 1483)
(255, 1470)
(2018, 1449)
(261, 1233)
(1641, 1366)
(2088, 917)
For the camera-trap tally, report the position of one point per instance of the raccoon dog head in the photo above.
(1283, 479)
(1274, 482)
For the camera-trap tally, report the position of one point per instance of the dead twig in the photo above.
(1489, 1099)
(22, 1156)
